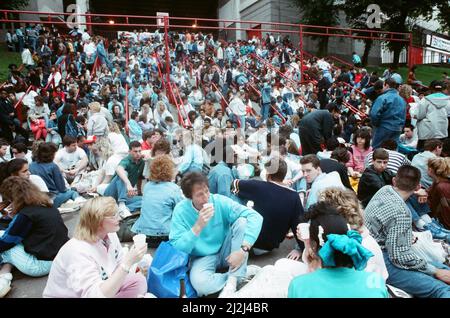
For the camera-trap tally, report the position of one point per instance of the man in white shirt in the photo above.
(316, 179)
(27, 58)
(71, 159)
(196, 97)
(237, 108)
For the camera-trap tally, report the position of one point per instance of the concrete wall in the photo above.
(42, 6)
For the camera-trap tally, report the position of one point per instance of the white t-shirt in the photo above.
(39, 182)
(68, 160)
(118, 143)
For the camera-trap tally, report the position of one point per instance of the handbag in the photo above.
(169, 267)
(125, 234)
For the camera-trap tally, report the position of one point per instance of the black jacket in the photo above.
(371, 181)
(47, 234)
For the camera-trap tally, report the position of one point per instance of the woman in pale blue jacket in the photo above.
(159, 199)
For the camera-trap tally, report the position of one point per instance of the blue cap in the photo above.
(397, 78)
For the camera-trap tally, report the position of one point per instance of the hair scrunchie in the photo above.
(348, 244)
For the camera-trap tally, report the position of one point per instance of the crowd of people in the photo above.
(239, 147)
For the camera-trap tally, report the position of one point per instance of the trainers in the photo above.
(80, 200)
(5, 284)
(124, 212)
(435, 223)
(436, 232)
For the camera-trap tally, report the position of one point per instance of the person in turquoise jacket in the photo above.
(337, 260)
(216, 232)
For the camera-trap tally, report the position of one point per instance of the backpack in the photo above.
(71, 128)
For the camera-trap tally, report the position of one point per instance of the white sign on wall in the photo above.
(160, 19)
(440, 43)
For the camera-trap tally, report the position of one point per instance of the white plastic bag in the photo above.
(427, 249)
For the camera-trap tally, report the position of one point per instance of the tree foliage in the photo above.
(14, 4)
(318, 12)
(401, 16)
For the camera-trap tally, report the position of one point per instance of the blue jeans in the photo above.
(203, 274)
(63, 197)
(416, 283)
(24, 262)
(417, 209)
(382, 134)
(118, 190)
(265, 110)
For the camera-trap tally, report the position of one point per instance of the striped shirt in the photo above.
(389, 221)
(396, 160)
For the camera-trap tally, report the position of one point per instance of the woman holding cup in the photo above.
(92, 264)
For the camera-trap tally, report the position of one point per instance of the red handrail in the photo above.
(221, 95)
(266, 63)
(182, 105)
(354, 109)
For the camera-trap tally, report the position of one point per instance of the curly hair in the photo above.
(346, 203)
(440, 167)
(104, 147)
(22, 192)
(162, 169)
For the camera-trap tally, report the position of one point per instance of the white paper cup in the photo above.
(208, 205)
(304, 231)
(139, 240)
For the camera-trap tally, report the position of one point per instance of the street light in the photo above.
(195, 24)
(111, 21)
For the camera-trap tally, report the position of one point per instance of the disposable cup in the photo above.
(304, 231)
(139, 240)
(207, 205)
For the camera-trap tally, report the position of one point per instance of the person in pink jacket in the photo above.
(92, 264)
(359, 150)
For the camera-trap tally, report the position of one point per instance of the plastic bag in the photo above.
(427, 249)
(168, 267)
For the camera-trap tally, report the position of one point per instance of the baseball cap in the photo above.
(90, 139)
(397, 78)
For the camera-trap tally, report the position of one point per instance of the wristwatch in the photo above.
(245, 248)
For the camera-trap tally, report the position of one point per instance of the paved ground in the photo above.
(28, 287)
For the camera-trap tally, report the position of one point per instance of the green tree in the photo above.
(14, 4)
(318, 12)
(356, 17)
(401, 15)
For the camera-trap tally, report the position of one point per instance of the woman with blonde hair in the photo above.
(160, 196)
(92, 264)
(347, 204)
(118, 149)
(97, 124)
(35, 234)
(439, 192)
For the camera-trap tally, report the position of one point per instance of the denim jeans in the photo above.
(118, 190)
(381, 134)
(417, 209)
(25, 262)
(203, 274)
(416, 283)
(63, 197)
(265, 110)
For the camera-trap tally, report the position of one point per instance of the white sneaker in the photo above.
(5, 284)
(80, 200)
(229, 289)
(124, 212)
